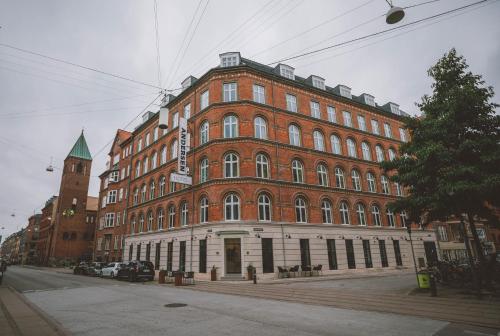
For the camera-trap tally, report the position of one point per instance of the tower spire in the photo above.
(80, 149)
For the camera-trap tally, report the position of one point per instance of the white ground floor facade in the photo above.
(231, 247)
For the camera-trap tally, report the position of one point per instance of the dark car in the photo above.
(95, 268)
(137, 270)
(81, 268)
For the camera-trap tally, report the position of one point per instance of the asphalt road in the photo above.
(93, 306)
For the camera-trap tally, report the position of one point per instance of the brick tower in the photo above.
(72, 234)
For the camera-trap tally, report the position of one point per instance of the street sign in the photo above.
(183, 179)
(184, 140)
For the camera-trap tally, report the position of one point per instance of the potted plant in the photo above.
(250, 271)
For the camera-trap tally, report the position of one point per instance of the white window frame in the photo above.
(229, 92)
(259, 94)
(291, 103)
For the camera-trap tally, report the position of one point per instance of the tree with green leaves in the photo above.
(451, 164)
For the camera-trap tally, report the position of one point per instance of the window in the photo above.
(385, 185)
(347, 118)
(136, 196)
(262, 164)
(345, 91)
(173, 149)
(402, 134)
(204, 133)
(375, 129)
(367, 254)
(318, 82)
(120, 195)
(264, 204)
(322, 175)
(379, 153)
(286, 71)
(370, 178)
(171, 217)
(231, 168)
(397, 252)
(229, 59)
(360, 212)
(403, 217)
(141, 222)
(160, 218)
(110, 220)
(356, 180)
(163, 155)
(297, 171)
(351, 148)
(392, 154)
(365, 148)
(204, 100)
(229, 92)
(300, 210)
(152, 190)
(162, 186)
(315, 112)
(150, 221)
(443, 235)
(231, 207)
(204, 210)
(332, 114)
(326, 212)
(204, 170)
(319, 141)
(138, 169)
(143, 193)
(376, 216)
(187, 111)
(339, 178)
(175, 120)
(139, 145)
(361, 123)
(172, 185)
(291, 103)
(145, 165)
(332, 254)
(259, 94)
(390, 218)
(230, 126)
(202, 264)
(184, 214)
(294, 135)
(260, 128)
(155, 134)
(132, 225)
(336, 146)
(113, 177)
(387, 130)
(399, 191)
(146, 142)
(383, 253)
(344, 213)
(154, 160)
(112, 196)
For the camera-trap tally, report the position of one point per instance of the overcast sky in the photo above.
(45, 104)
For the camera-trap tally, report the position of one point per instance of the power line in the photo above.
(376, 33)
(10, 117)
(157, 42)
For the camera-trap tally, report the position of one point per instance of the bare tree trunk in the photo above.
(477, 243)
(475, 276)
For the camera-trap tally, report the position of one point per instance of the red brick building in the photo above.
(285, 172)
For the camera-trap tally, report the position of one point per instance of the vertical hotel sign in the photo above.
(184, 140)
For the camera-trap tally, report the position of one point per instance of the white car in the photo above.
(111, 269)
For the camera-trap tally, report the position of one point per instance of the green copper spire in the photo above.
(80, 149)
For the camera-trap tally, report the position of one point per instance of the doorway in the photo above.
(431, 253)
(232, 251)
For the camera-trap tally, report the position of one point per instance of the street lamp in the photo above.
(394, 14)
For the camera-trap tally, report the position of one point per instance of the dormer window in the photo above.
(345, 91)
(229, 59)
(318, 82)
(188, 82)
(369, 100)
(286, 71)
(395, 108)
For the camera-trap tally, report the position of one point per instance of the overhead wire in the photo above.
(37, 115)
(158, 62)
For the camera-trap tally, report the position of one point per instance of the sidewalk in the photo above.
(19, 317)
(63, 270)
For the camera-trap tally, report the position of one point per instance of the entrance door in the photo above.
(232, 247)
(267, 255)
(431, 253)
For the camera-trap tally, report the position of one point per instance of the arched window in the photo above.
(150, 220)
(173, 149)
(232, 207)
(294, 135)
(319, 141)
(300, 210)
(262, 165)
(132, 225)
(356, 180)
(336, 145)
(160, 217)
(231, 165)
(230, 126)
(145, 165)
(260, 128)
(344, 213)
(264, 204)
(204, 210)
(141, 222)
(390, 218)
(367, 154)
(379, 153)
(143, 193)
(136, 196)
(351, 148)
(339, 178)
(171, 217)
(204, 133)
(154, 160)
(152, 188)
(297, 171)
(172, 185)
(360, 211)
(392, 154)
(184, 214)
(385, 185)
(372, 186)
(138, 169)
(162, 185)
(326, 211)
(322, 175)
(204, 170)
(163, 156)
(376, 216)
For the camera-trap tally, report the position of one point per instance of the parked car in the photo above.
(95, 268)
(137, 270)
(81, 268)
(111, 269)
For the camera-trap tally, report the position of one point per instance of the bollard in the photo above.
(432, 283)
(254, 276)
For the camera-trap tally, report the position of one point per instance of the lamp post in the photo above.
(408, 228)
(394, 14)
